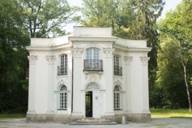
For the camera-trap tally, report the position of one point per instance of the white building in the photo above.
(88, 74)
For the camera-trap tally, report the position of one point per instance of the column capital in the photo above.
(32, 59)
(128, 59)
(108, 52)
(50, 59)
(144, 60)
(77, 52)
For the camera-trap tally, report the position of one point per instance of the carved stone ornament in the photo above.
(77, 52)
(32, 59)
(108, 52)
(50, 59)
(144, 60)
(92, 86)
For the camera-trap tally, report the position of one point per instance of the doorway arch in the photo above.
(89, 90)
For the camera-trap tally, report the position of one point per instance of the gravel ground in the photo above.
(155, 123)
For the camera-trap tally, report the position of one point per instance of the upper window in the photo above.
(63, 98)
(62, 69)
(117, 67)
(117, 97)
(92, 54)
(92, 61)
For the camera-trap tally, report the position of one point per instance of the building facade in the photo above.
(88, 74)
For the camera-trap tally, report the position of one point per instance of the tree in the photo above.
(177, 26)
(45, 18)
(13, 61)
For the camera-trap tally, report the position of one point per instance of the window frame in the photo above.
(63, 64)
(62, 98)
(117, 98)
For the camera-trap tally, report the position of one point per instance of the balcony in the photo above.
(61, 70)
(118, 70)
(93, 65)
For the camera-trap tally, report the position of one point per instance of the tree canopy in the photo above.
(176, 51)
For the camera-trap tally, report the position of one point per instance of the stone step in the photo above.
(93, 121)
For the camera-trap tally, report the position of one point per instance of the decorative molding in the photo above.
(77, 52)
(32, 59)
(50, 59)
(92, 86)
(117, 82)
(128, 59)
(144, 60)
(108, 52)
(64, 81)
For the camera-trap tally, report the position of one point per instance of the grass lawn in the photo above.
(171, 113)
(11, 116)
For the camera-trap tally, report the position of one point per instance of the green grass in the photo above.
(170, 113)
(12, 116)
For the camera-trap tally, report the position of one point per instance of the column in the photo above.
(32, 84)
(144, 60)
(50, 89)
(78, 95)
(108, 77)
(127, 76)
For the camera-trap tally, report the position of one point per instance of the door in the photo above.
(89, 104)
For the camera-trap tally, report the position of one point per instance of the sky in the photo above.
(169, 5)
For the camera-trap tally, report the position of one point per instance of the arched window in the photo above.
(117, 97)
(63, 98)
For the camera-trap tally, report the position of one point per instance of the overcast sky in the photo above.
(170, 5)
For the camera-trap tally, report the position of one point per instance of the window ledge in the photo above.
(93, 72)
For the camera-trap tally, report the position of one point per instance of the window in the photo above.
(92, 54)
(63, 98)
(117, 97)
(62, 69)
(92, 61)
(117, 67)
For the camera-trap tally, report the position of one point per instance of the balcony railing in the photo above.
(61, 70)
(118, 70)
(93, 65)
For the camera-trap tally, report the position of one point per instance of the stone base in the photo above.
(52, 118)
(136, 117)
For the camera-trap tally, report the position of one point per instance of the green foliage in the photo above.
(45, 18)
(13, 61)
(174, 58)
(170, 75)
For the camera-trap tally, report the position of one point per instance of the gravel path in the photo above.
(155, 123)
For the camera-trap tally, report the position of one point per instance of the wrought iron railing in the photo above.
(93, 65)
(61, 70)
(118, 71)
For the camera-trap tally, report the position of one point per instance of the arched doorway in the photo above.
(89, 99)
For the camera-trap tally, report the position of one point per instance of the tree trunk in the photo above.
(187, 86)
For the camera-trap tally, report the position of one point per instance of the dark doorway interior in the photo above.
(89, 104)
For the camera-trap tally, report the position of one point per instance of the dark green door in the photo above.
(89, 104)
